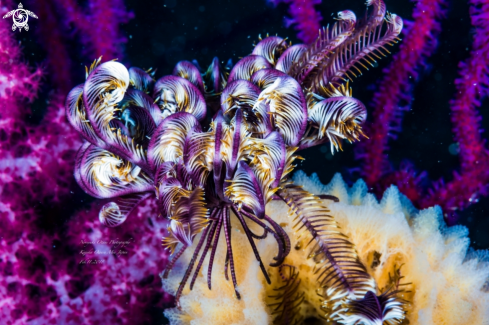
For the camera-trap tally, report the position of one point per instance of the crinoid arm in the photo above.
(287, 297)
(341, 51)
(189, 71)
(271, 48)
(325, 45)
(372, 310)
(116, 212)
(340, 274)
(360, 50)
(334, 119)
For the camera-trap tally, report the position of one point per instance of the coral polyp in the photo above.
(214, 165)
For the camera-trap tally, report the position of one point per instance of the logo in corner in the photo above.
(20, 17)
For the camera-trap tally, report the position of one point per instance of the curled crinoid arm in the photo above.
(321, 50)
(141, 80)
(168, 140)
(238, 94)
(360, 50)
(77, 116)
(247, 66)
(176, 94)
(334, 119)
(104, 89)
(198, 155)
(116, 212)
(289, 57)
(189, 71)
(287, 297)
(264, 78)
(268, 158)
(285, 105)
(105, 175)
(271, 48)
(245, 188)
(340, 275)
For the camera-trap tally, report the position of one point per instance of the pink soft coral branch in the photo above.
(396, 86)
(41, 279)
(472, 87)
(50, 34)
(305, 18)
(98, 25)
(18, 82)
(44, 282)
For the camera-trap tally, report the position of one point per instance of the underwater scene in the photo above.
(244, 162)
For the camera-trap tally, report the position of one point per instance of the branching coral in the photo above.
(305, 18)
(469, 183)
(44, 280)
(396, 87)
(95, 25)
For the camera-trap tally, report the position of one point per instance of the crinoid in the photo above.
(150, 138)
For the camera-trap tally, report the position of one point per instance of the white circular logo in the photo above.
(20, 17)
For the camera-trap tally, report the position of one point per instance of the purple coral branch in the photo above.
(305, 18)
(42, 279)
(51, 37)
(472, 87)
(98, 25)
(396, 87)
(18, 82)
